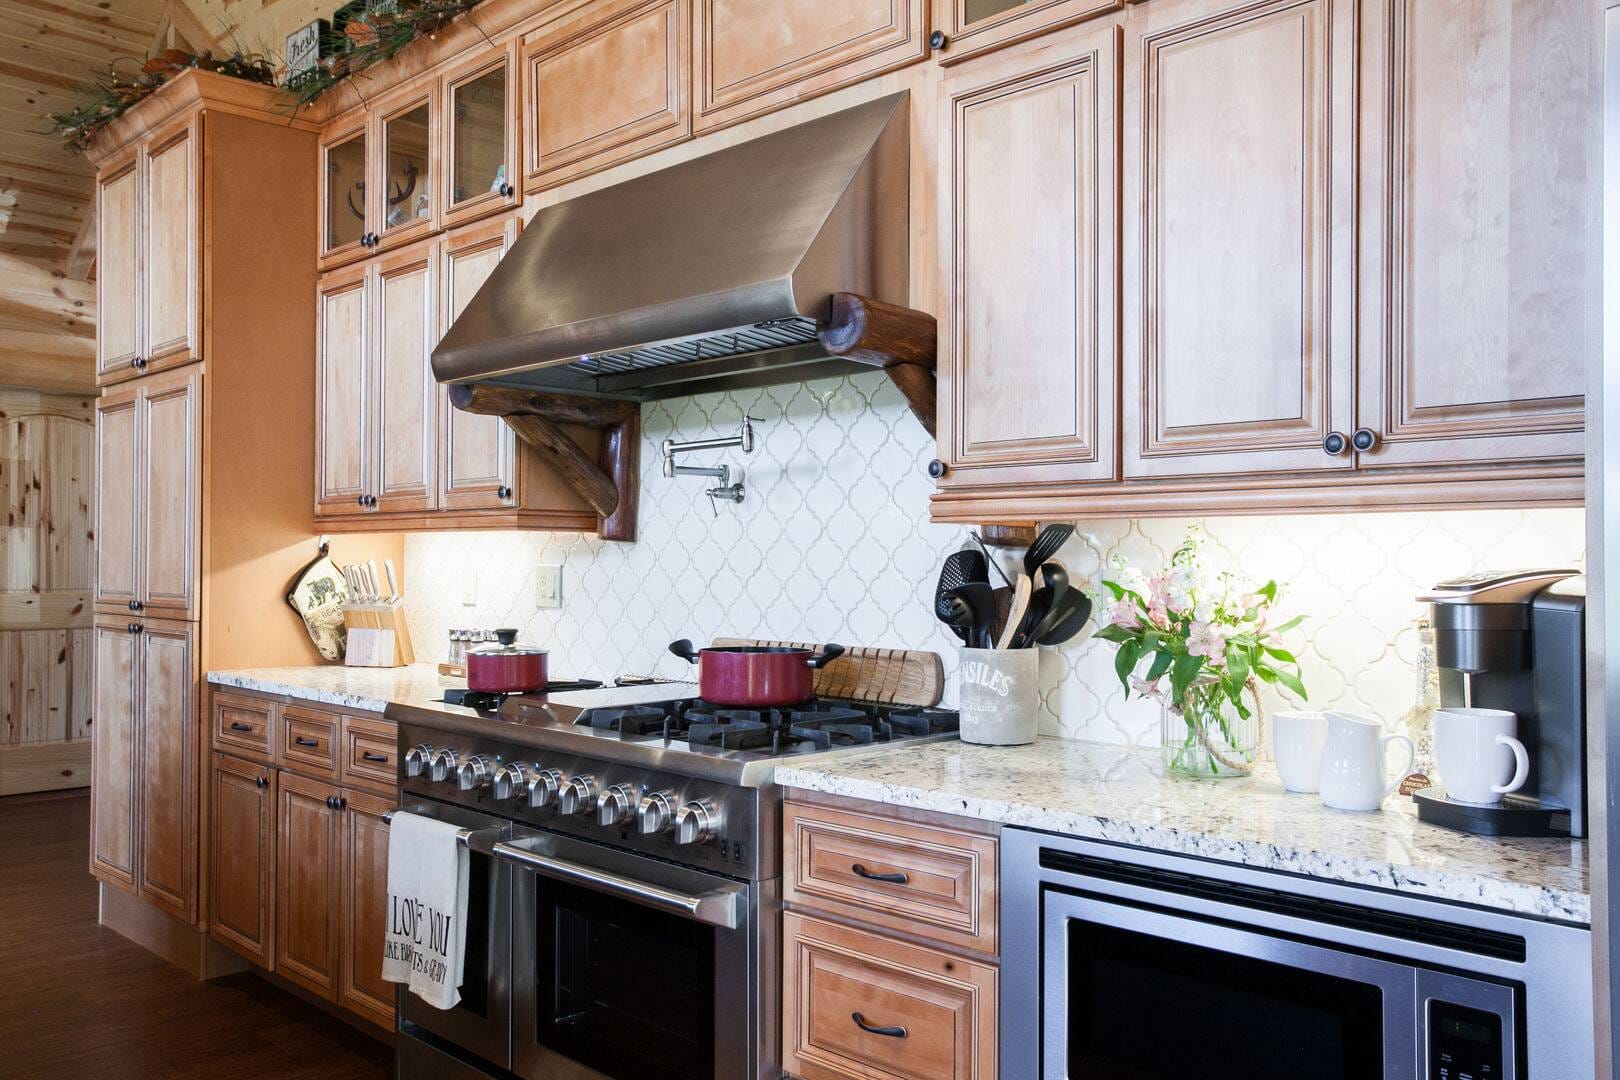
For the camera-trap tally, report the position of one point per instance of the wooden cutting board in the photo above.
(885, 676)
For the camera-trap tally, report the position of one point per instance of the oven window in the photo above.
(475, 966)
(622, 989)
(1143, 1008)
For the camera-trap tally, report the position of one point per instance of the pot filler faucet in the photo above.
(732, 492)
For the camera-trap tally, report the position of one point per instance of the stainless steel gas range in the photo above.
(624, 907)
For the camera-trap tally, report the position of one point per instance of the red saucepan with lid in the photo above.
(506, 666)
(756, 676)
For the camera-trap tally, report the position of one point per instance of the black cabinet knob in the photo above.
(506, 190)
(1336, 445)
(261, 782)
(938, 40)
(1364, 439)
(937, 468)
(503, 492)
(134, 628)
(371, 501)
(331, 802)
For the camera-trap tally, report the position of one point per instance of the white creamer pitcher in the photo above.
(1352, 774)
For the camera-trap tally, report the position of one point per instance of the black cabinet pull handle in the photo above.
(367, 755)
(1364, 439)
(874, 1029)
(893, 879)
(237, 725)
(299, 740)
(1335, 445)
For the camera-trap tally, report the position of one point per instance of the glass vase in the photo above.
(1203, 736)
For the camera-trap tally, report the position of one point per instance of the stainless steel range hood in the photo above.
(710, 274)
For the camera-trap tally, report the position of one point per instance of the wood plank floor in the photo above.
(78, 1000)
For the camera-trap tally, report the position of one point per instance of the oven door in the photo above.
(629, 967)
(481, 1022)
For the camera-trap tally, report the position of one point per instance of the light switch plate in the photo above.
(469, 587)
(548, 586)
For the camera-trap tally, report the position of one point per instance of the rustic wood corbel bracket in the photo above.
(608, 484)
(903, 342)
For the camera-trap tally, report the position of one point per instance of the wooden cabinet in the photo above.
(1028, 196)
(889, 954)
(1480, 229)
(343, 379)
(605, 83)
(242, 857)
(346, 218)
(149, 244)
(309, 739)
(755, 57)
(361, 987)
(308, 879)
(145, 818)
(403, 188)
(1239, 270)
(480, 127)
(148, 453)
(478, 455)
(244, 726)
(858, 1005)
(972, 27)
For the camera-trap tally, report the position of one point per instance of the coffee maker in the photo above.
(1516, 640)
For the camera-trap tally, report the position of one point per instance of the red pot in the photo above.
(505, 667)
(756, 676)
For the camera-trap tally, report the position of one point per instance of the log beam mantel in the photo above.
(903, 342)
(609, 484)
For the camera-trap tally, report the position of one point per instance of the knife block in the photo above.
(378, 635)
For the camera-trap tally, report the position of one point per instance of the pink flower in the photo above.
(1157, 614)
(1123, 613)
(1206, 639)
(1145, 688)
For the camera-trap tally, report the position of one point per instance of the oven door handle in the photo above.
(718, 907)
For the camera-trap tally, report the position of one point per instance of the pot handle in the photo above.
(827, 655)
(683, 649)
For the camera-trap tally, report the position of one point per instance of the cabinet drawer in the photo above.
(309, 740)
(368, 759)
(243, 725)
(932, 882)
(858, 1005)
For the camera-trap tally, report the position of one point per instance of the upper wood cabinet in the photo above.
(343, 379)
(477, 454)
(346, 217)
(148, 516)
(973, 26)
(480, 128)
(1481, 238)
(1028, 202)
(403, 188)
(148, 236)
(605, 83)
(1240, 268)
(753, 56)
(144, 808)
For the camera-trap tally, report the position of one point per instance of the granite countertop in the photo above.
(1117, 793)
(369, 689)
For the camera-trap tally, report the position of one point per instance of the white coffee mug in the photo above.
(1478, 756)
(1297, 738)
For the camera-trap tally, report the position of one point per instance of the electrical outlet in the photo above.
(469, 587)
(548, 586)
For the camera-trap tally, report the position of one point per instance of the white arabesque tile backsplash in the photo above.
(833, 543)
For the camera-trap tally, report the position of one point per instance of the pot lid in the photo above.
(506, 644)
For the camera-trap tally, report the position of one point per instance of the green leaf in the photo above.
(1269, 591)
(1182, 673)
(1115, 634)
(1151, 640)
(1237, 664)
(1125, 662)
(1281, 654)
(1267, 673)
(1161, 664)
(1291, 681)
(1119, 593)
(1289, 625)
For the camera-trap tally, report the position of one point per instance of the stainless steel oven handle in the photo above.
(481, 841)
(718, 907)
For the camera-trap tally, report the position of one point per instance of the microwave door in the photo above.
(1128, 991)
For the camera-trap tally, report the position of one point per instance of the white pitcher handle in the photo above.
(1521, 772)
(1411, 758)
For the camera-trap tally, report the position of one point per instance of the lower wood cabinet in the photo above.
(889, 962)
(363, 920)
(308, 877)
(242, 864)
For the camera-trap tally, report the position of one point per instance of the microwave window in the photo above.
(622, 989)
(1143, 1008)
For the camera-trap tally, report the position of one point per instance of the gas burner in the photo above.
(481, 700)
(730, 729)
(831, 726)
(630, 723)
(924, 722)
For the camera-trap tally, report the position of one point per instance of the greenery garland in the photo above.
(115, 93)
(374, 36)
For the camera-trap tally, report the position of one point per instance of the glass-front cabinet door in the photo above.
(479, 131)
(973, 26)
(345, 210)
(404, 203)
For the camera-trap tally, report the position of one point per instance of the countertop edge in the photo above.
(1496, 894)
(241, 681)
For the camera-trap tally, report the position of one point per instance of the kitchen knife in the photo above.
(373, 579)
(393, 582)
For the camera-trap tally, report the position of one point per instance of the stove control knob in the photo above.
(417, 758)
(696, 822)
(656, 814)
(616, 804)
(442, 766)
(578, 795)
(474, 773)
(544, 785)
(510, 781)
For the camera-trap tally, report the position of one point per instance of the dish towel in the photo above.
(427, 909)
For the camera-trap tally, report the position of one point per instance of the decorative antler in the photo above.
(405, 192)
(360, 186)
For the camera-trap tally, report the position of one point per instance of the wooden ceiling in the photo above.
(48, 48)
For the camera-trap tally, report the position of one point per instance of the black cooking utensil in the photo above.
(1074, 612)
(959, 617)
(1045, 546)
(991, 559)
(1040, 603)
(1055, 576)
(960, 568)
(981, 601)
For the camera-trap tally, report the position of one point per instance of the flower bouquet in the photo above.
(1208, 642)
